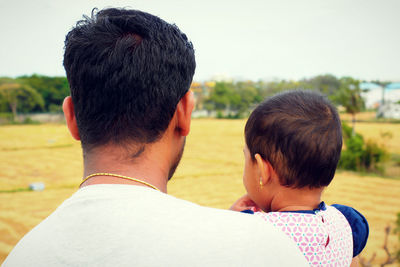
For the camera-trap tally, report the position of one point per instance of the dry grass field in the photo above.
(210, 174)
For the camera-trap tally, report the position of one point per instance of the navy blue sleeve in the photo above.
(359, 227)
(248, 211)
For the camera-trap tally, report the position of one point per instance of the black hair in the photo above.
(299, 133)
(127, 71)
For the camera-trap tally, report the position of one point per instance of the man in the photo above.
(130, 107)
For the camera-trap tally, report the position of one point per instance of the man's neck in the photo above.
(147, 167)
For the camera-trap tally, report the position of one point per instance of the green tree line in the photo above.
(38, 93)
(35, 93)
(236, 99)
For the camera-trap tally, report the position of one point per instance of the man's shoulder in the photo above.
(143, 207)
(145, 227)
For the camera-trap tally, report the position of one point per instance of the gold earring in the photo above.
(261, 183)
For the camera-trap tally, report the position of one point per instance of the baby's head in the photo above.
(299, 134)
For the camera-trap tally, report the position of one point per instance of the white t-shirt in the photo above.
(128, 225)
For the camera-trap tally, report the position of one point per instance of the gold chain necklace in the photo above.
(119, 176)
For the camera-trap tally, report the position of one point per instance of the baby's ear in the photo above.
(264, 169)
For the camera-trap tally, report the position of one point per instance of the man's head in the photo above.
(127, 72)
(299, 134)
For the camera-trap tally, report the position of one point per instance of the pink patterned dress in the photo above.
(324, 235)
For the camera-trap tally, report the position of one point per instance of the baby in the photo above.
(293, 145)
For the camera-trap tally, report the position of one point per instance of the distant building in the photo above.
(201, 91)
(389, 110)
(392, 92)
(372, 94)
(197, 90)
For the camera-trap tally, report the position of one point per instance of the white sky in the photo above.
(254, 39)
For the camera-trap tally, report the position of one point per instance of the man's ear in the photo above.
(264, 169)
(184, 113)
(69, 113)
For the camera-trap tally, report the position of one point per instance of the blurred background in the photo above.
(245, 52)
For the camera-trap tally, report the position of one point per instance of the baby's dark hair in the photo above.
(299, 133)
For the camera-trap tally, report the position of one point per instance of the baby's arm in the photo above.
(245, 203)
(355, 262)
